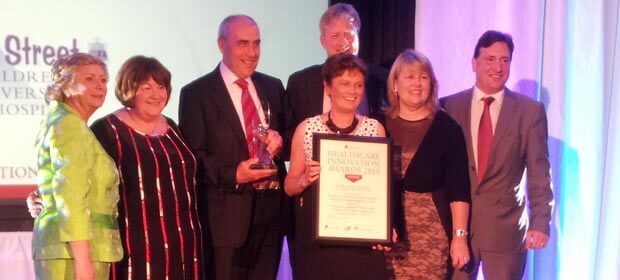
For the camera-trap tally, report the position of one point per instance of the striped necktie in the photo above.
(485, 138)
(250, 115)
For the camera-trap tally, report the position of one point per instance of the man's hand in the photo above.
(535, 239)
(273, 140)
(246, 175)
(35, 206)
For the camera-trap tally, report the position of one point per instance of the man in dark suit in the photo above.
(243, 204)
(305, 96)
(505, 133)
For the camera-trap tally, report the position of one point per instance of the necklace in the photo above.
(333, 127)
(147, 128)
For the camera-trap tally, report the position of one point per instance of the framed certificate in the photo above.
(353, 192)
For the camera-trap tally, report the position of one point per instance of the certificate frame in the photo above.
(353, 199)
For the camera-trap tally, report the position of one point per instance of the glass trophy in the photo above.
(260, 132)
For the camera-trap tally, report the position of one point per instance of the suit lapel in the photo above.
(459, 107)
(465, 115)
(221, 98)
(319, 104)
(261, 90)
(503, 126)
(319, 92)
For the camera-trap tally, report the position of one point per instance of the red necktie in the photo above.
(250, 119)
(485, 138)
(250, 115)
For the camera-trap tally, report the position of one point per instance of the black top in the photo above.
(438, 166)
(408, 136)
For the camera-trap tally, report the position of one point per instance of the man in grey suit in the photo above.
(505, 133)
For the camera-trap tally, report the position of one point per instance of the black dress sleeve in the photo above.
(102, 130)
(456, 179)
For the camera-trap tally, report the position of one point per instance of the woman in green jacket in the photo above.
(76, 235)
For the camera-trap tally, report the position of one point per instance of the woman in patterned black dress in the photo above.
(158, 215)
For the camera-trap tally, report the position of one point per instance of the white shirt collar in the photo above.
(229, 77)
(478, 95)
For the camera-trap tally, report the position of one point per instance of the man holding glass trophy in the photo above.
(232, 119)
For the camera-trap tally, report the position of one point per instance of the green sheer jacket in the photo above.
(78, 184)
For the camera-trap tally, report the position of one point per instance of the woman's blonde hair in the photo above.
(63, 74)
(410, 58)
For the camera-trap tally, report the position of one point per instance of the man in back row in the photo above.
(305, 94)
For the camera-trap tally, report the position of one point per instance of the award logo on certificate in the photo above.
(353, 197)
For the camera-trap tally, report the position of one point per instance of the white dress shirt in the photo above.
(235, 93)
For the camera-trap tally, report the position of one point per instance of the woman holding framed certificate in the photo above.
(344, 79)
(431, 174)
